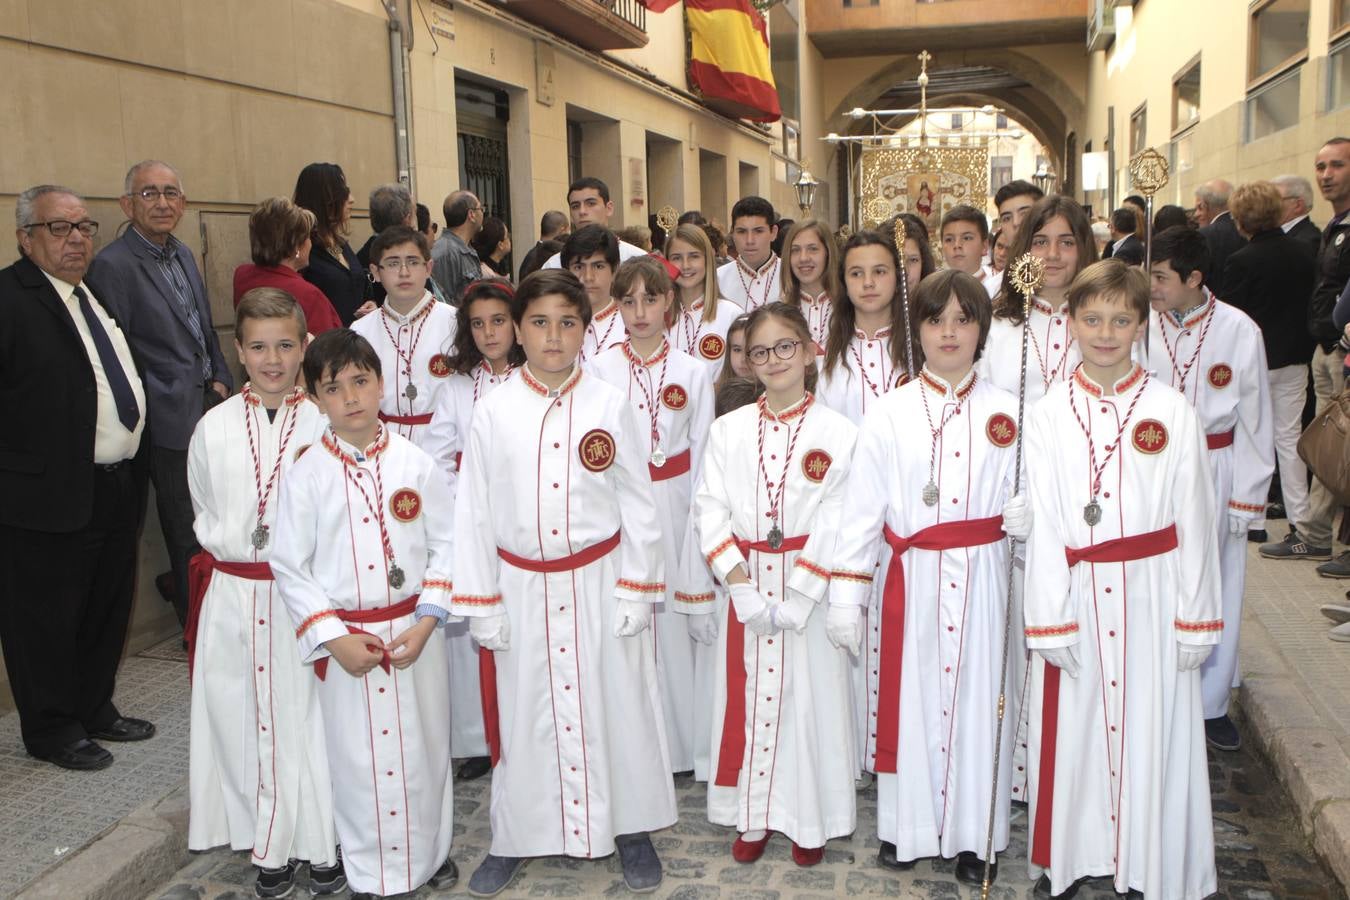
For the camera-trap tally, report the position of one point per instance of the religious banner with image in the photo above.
(925, 181)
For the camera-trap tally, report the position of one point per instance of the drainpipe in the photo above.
(398, 75)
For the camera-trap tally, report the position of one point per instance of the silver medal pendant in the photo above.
(259, 537)
(930, 494)
(395, 576)
(775, 537)
(658, 457)
(410, 392)
(1092, 513)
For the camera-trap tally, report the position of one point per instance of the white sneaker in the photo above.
(1336, 612)
(1340, 633)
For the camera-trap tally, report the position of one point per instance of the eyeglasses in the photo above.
(152, 195)
(784, 349)
(411, 263)
(61, 228)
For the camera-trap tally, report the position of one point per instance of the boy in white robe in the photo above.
(753, 278)
(258, 771)
(592, 255)
(555, 529)
(412, 333)
(362, 559)
(1122, 606)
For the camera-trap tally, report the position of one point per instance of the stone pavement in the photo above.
(1294, 779)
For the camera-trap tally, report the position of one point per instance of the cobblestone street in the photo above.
(1261, 855)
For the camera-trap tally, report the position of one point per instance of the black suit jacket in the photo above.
(346, 288)
(1307, 232)
(1223, 239)
(50, 404)
(1271, 280)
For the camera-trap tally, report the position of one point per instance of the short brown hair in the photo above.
(793, 318)
(1256, 207)
(267, 303)
(1114, 279)
(649, 269)
(937, 289)
(550, 281)
(276, 229)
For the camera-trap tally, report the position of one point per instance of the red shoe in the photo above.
(804, 856)
(744, 851)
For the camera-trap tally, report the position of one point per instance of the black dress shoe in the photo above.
(474, 767)
(1257, 536)
(1275, 511)
(445, 876)
(887, 860)
(82, 755)
(1042, 889)
(123, 729)
(970, 869)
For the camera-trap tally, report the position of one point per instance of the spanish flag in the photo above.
(658, 6)
(729, 59)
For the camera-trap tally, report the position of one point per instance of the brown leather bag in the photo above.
(1325, 447)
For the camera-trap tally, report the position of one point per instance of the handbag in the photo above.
(1325, 447)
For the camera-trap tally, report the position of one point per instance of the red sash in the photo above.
(1220, 440)
(200, 569)
(419, 419)
(1124, 549)
(487, 664)
(675, 466)
(367, 617)
(732, 749)
(943, 536)
(563, 563)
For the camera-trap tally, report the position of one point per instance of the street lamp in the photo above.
(805, 186)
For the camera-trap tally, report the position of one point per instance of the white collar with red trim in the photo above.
(543, 390)
(421, 308)
(942, 388)
(793, 410)
(1124, 384)
(349, 453)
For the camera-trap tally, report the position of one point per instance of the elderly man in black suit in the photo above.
(74, 408)
(1296, 198)
(161, 301)
(1216, 224)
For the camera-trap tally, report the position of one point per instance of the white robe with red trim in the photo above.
(817, 311)
(258, 770)
(682, 389)
(388, 733)
(751, 289)
(412, 351)
(1219, 363)
(583, 752)
(795, 775)
(936, 802)
(1121, 746)
(705, 341)
(605, 330)
(444, 440)
(1052, 355)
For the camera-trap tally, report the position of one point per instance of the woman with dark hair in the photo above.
(1170, 216)
(493, 246)
(333, 266)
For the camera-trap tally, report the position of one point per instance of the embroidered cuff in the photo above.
(694, 599)
(847, 575)
(476, 605)
(1254, 509)
(640, 591)
(1050, 636)
(313, 620)
(819, 571)
(725, 557)
(1210, 626)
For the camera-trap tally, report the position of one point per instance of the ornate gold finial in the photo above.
(667, 217)
(845, 231)
(1027, 275)
(900, 235)
(1148, 172)
(877, 209)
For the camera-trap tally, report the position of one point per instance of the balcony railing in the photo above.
(593, 24)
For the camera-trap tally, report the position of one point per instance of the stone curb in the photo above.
(1308, 758)
(133, 857)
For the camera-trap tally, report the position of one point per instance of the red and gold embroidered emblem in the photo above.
(301, 452)
(405, 504)
(675, 397)
(712, 346)
(1001, 430)
(1150, 436)
(815, 464)
(1220, 375)
(596, 450)
(438, 365)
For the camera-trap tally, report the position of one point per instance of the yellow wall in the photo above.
(1162, 38)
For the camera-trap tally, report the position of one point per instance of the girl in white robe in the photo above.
(701, 317)
(768, 509)
(811, 278)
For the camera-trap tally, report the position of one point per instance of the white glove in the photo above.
(491, 632)
(703, 629)
(1191, 656)
(1017, 517)
(843, 626)
(762, 624)
(1238, 525)
(1063, 658)
(632, 617)
(748, 601)
(793, 612)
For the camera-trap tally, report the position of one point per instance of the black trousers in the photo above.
(173, 503)
(65, 601)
